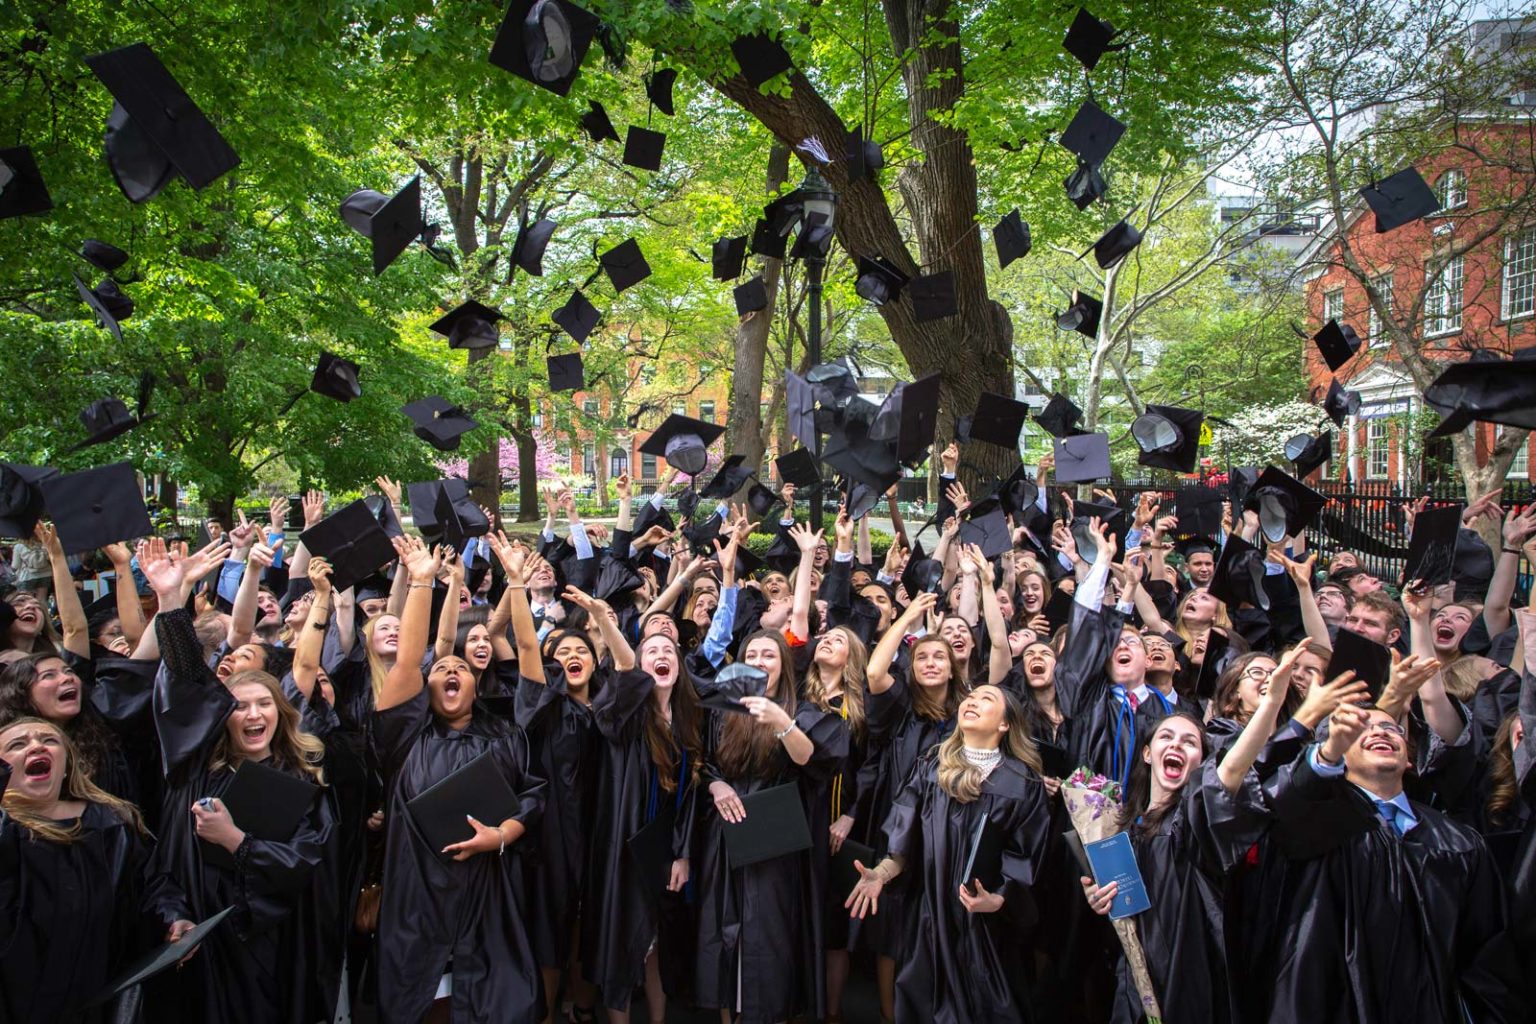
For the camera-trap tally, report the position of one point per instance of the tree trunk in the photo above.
(222, 508)
(167, 498)
(744, 421)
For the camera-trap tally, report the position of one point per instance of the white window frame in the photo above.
(1518, 275)
(1451, 189)
(1444, 297)
(1519, 469)
(1377, 444)
(589, 459)
(1333, 305)
(1376, 332)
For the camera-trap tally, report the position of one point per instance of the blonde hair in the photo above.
(292, 748)
(77, 785)
(1221, 620)
(852, 680)
(378, 668)
(961, 779)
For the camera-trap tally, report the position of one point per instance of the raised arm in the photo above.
(514, 558)
(1439, 713)
(969, 609)
(800, 610)
(1518, 528)
(626, 518)
(999, 659)
(313, 505)
(866, 552)
(898, 526)
(1250, 743)
(607, 623)
(77, 635)
(879, 676)
(311, 641)
(448, 618)
(404, 680)
(1311, 615)
(130, 612)
(242, 619)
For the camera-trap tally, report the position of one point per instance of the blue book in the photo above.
(1114, 860)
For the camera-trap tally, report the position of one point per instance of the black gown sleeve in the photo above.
(1081, 682)
(190, 705)
(618, 704)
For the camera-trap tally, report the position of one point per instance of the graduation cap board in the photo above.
(658, 89)
(986, 526)
(21, 497)
(477, 790)
(1308, 452)
(96, 507)
(984, 857)
(775, 825)
(1340, 404)
(683, 441)
(22, 189)
(155, 130)
(352, 540)
(1337, 343)
(728, 258)
(439, 422)
(1169, 437)
(470, 325)
(879, 280)
(162, 958)
(578, 317)
(800, 410)
(336, 378)
(1082, 315)
(566, 372)
(102, 255)
(1060, 416)
(1401, 199)
(735, 681)
(625, 265)
(390, 224)
(1286, 506)
(532, 240)
(1085, 184)
(596, 123)
(1092, 133)
(1485, 389)
(1432, 548)
(108, 302)
(933, 296)
(997, 420)
(643, 148)
(751, 296)
(761, 57)
(1370, 661)
(1239, 577)
(423, 498)
(1011, 238)
(1114, 244)
(1089, 38)
(865, 157)
(1081, 458)
(544, 42)
(727, 479)
(799, 468)
(1083, 512)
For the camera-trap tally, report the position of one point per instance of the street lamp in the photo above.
(818, 206)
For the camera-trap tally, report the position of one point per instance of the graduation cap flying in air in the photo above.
(108, 418)
(544, 42)
(389, 223)
(22, 188)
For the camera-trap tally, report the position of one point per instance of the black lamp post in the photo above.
(820, 202)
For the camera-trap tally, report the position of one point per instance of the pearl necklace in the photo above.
(983, 759)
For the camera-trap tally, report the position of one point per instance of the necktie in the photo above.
(1390, 814)
(1131, 699)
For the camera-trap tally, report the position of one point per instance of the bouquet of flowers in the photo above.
(1093, 801)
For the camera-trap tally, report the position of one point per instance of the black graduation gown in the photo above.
(826, 800)
(625, 914)
(564, 747)
(758, 925)
(435, 909)
(1377, 927)
(73, 915)
(117, 773)
(1103, 734)
(1185, 864)
(256, 967)
(898, 738)
(967, 968)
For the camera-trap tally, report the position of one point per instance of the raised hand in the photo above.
(955, 492)
(164, 572)
(48, 537)
(1407, 677)
(416, 558)
(389, 488)
(277, 514)
(314, 507)
(949, 458)
(118, 554)
(319, 572)
(804, 537)
(1300, 572)
(244, 533)
(1346, 725)
(843, 528)
(621, 486)
(1323, 699)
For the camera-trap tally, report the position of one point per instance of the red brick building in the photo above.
(1484, 297)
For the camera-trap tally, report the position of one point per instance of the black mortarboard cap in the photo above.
(155, 128)
(162, 958)
(1309, 452)
(383, 510)
(1112, 516)
(578, 316)
(658, 88)
(728, 478)
(688, 503)
(422, 498)
(566, 372)
(596, 123)
(1286, 506)
(1092, 134)
(352, 540)
(1011, 237)
(986, 526)
(865, 157)
(682, 441)
(813, 239)
(625, 265)
(800, 410)
(858, 457)
(728, 257)
(1337, 343)
(750, 296)
(1059, 417)
(730, 684)
(933, 296)
(336, 378)
(106, 419)
(642, 148)
(878, 281)
(103, 255)
(544, 42)
(1198, 509)
(459, 518)
(1081, 458)
(761, 500)
(1370, 661)
(761, 57)
(108, 302)
(921, 575)
(1089, 38)
(22, 189)
(1114, 244)
(439, 422)
(1240, 481)
(918, 417)
(96, 507)
(768, 242)
(799, 468)
(532, 240)
(1018, 492)
(469, 325)
(861, 498)
(1485, 389)
(649, 516)
(1085, 184)
(391, 226)
(1432, 547)
(21, 497)
(1082, 316)
(998, 420)
(1340, 404)
(1169, 437)
(1400, 199)
(1239, 576)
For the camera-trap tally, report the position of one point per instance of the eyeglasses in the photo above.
(1391, 728)
(1130, 640)
(1257, 673)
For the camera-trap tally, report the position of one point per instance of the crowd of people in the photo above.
(734, 781)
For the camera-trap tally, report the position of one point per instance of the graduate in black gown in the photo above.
(59, 689)
(452, 920)
(255, 968)
(78, 896)
(1392, 911)
(970, 945)
(758, 958)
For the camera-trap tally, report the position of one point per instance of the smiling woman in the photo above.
(47, 686)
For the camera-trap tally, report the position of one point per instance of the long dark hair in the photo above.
(747, 747)
(1138, 814)
(1504, 785)
(469, 618)
(93, 741)
(924, 704)
(667, 743)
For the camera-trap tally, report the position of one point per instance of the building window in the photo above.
(1451, 190)
(707, 412)
(1442, 302)
(1376, 448)
(679, 409)
(1333, 305)
(589, 406)
(1519, 298)
(618, 463)
(589, 460)
(1520, 469)
(647, 466)
(1378, 331)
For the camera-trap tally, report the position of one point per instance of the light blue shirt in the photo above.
(1397, 812)
(718, 640)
